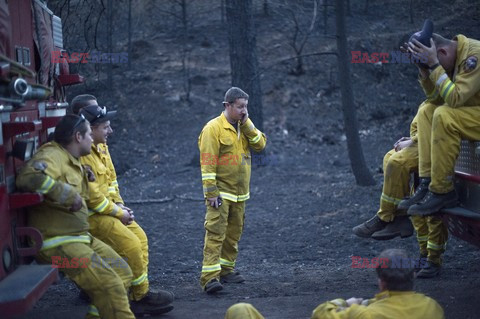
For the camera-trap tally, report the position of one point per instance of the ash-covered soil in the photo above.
(297, 244)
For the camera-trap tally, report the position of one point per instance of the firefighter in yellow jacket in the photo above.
(399, 163)
(225, 160)
(395, 300)
(112, 222)
(453, 69)
(56, 172)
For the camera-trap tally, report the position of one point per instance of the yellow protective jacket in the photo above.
(385, 305)
(464, 88)
(225, 159)
(104, 193)
(430, 91)
(59, 176)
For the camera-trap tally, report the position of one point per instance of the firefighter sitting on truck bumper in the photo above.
(56, 172)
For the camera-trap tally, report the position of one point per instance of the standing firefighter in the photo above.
(56, 172)
(225, 160)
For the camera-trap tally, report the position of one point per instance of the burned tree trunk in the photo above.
(243, 55)
(355, 152)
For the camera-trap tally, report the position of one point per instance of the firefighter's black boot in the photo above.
(369, 227)
(419, 194)
(400, 226)
(430, 271)
(433, 203)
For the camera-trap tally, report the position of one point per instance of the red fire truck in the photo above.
(32, 100)
(464, 220)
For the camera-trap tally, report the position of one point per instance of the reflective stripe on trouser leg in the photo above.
(140, 287)
(421, 227)
(215, 229)
(105, 278)
(229, 252)
(129, 242)
(397, 167)
(437, 239)
(424, 134)
(450, 125)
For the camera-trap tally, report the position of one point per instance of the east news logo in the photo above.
(397, 262)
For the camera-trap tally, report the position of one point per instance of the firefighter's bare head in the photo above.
(81, 101)
(446, 52)
(235, 102)
(398, 271)
(99, 119)
(74, 134)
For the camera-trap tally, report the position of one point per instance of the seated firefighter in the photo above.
(395, 300)
(391, 221)
(111, 221)
(56, 172)
(454, 73)
(398, 165)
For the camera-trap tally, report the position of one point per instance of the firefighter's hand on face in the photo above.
(215, 201)
(127, 218)
(419, 50)
(354, 301)
(77, 203)
(245, 117)
(423, 71)
(402, 143)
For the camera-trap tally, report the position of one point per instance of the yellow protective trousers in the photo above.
(397, 169)
(449, 127)
(424, 135)
(223, 229)
(105, 277)
(440, 130)
(243, 311)
(131, 243)
(432, 236)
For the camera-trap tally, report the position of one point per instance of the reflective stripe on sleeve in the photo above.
(46, 185)
(101, 207)
(115, 211)
(448, 87)
(441, 79)
(256, 138)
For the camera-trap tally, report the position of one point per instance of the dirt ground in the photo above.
(297, 244)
